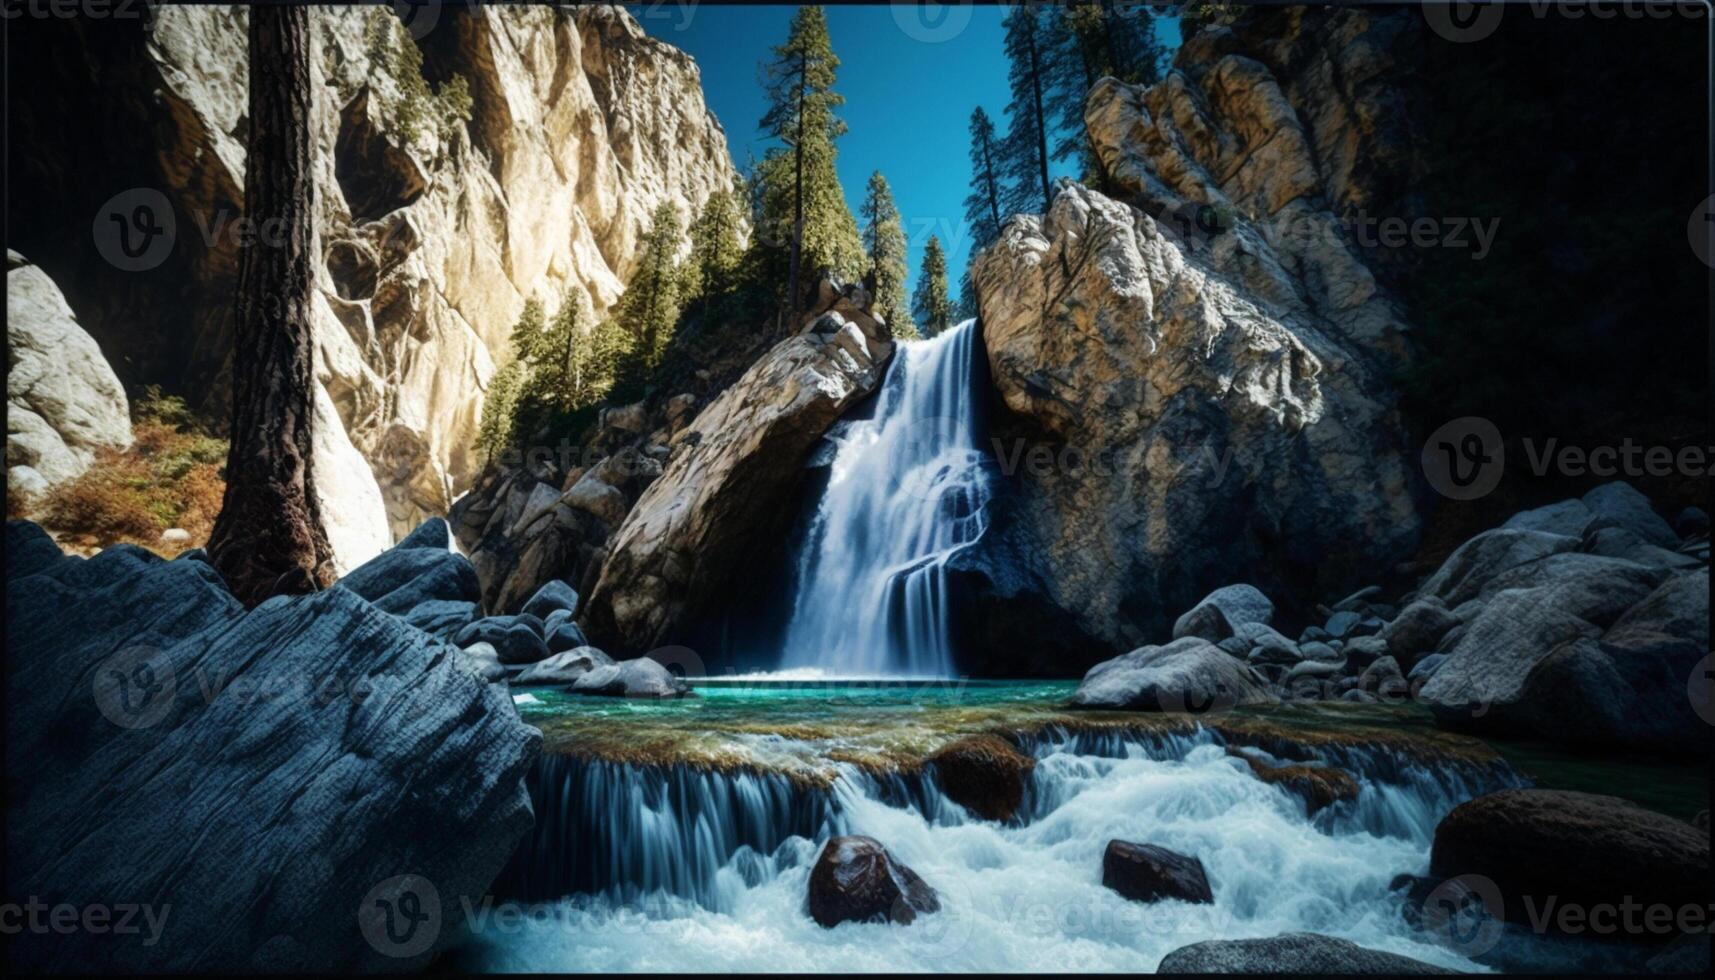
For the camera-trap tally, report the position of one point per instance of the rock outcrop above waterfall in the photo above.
(726, 495)
(856, 880)
(1204, 431)
(431, 242)
(62, 399)
(269, 782)
(1303, 953)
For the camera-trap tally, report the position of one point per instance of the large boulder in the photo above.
(1187, 675)
(1416, 631)
(63, 401)
(984, 774)
(1469, 570)
(280, 776)
(401, 579)
(1293, 953)
(1222, 610)
(563, 668)
(1148, 873)
(640, 678)
(855, 879)
(724, 497)
(1580, 849)
(1619, 504)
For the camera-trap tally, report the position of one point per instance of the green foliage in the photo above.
(494, 430)
(650, 309)
(419, 107)
(884, 237)
(715, 246)
(1023, 162)
(982, 207)
(560, 372)
(931, 303)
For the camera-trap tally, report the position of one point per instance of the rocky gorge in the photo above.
(1229, 688)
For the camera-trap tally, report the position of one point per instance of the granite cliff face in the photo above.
(1207, 359)
(432, 237)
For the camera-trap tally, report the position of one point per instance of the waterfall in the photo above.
(907, 490)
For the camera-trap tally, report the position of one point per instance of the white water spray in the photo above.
(908, 489)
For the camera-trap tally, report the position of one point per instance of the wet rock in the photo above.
(554, 595)
(1188, 674)
(563, 668)
(1221, 611)
(303, 799)
(1619, 504)
(1576, 848)
(855, 879)
(640, 678)
(1416, 631)
(1299, 952)
(1318, 786)
(984, 774)
(1147, 873)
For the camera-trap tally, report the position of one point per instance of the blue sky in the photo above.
(910, 75)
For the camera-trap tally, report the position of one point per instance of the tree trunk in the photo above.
(1041, 122)
(994, 191)
(269, 538)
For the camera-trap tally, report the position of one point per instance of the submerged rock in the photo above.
(984, 774)
(1189, 675)
(855, 879)
(1581, 849)
(640, 678)
(1318, 786)
(270, 774)
(1147, 873)
(1298, 952)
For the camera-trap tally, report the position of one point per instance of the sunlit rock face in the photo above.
(580, 126)
(1211, 387)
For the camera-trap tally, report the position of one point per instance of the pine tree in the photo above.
(982, 207)
(933, 308)
(1024, 160)
(884, 237)
(1078, 58)
(966, 307)
(802, 203)
(1134, 54)
(650, 307)
(494, 431)
(527, 332)
(715, 246)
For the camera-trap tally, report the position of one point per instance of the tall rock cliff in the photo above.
(432, 236)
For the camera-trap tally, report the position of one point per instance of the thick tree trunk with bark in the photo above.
(269, 538)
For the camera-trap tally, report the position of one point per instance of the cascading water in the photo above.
(908, 489)
(678, 868)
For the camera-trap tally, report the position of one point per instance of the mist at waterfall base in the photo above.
(686, 892)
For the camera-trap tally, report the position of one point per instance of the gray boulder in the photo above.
(1190, 674)
(443, 618)
(432, 533)
(1298, 952)
(482, 660)
(640, 678)
(1569, 518)
(1222, 611)
(1467, 571)
(515, 639)
(1426, 668)
(1315, 650)
(1417, 630)
(566, 635)
(1357, 600)
(272, 774)
(1617, 542)
(1362, 651)
(1382, 677)
(401, 579)
(564, 667)
(553, 596)
(1618, 504)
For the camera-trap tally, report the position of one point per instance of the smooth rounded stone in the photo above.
(1313, 634)
(1357, 696)
(484, 660)
(1578, 848)
(1568, 517)
(175, 535)
(563, 667)
(1273, 655)
(1356, 600)
(432, 533)
(1189, 674)
(1223, 611)
(640, 678)
(1385, 671)
(1467, 571)
(1319, 787)
(1147, 873)
(1317, 650)
(1426, 668)
(1298, 952)
(516, 642)
(567, 635)
(1340, 624)
(1317, 669)
(443, 618)
(1235, 646)
(1619, 504)
(553, 596)
(1362, 651)
(984, 774)
(1691, 522)
(1417, 630)
(533, 621)
(855, 879)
